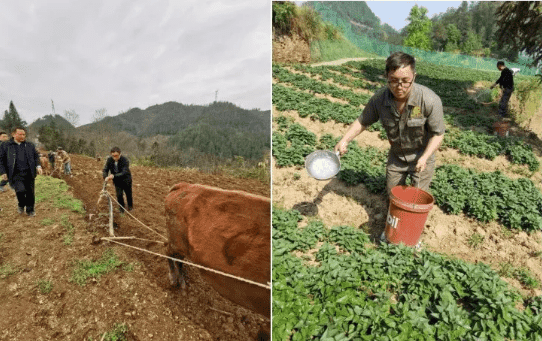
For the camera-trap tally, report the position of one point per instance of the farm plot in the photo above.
(495, 220)
(55, 284)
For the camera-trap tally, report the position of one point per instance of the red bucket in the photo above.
(501, 128)
(409, 207)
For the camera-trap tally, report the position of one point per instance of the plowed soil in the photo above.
(142, 299)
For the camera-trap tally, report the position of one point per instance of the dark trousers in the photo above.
(122, 187)
(503, 105)
(23, 185)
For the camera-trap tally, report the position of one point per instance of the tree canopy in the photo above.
(520, 26)
(419, 29)
(12, 119)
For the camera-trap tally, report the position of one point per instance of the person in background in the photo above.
(3, 138)
(506, 82)
(119, 167)
(413, 119)
(65, 157)
(51, 155)
(20, 164)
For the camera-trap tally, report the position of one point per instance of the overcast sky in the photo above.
(117, 55)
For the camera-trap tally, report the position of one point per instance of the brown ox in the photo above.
(224, 230)
(45, 165)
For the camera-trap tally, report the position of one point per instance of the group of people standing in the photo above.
(20, 164)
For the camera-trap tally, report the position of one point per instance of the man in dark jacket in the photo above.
(3, 138)
(506, 82)
(19, 161)
(118, 166)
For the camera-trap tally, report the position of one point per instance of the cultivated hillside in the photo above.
(481, 252)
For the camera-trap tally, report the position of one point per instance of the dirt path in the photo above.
(339, 61)
(142, 299)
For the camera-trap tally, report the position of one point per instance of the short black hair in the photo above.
(499, 63)
(115, 150)
(3, 133)
(17, 128)
(398, 60)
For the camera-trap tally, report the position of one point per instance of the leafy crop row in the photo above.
(306, 83)
(488, 196)
(285, 98)
(293, 146)
(292, 143)
(354, 292)
(338, 76)
(488, 146)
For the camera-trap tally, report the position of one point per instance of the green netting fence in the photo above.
(441, 58)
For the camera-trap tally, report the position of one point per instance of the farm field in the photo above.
(487, 216)
(45, 298)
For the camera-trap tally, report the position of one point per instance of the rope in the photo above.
(126, 211)
(193, 264)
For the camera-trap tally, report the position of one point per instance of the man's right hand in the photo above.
(5, 177)
(341, 147)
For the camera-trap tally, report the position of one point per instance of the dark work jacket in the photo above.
(123, 170)
(506, 80)
(8, 158)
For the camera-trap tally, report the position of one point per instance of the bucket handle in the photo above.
(414, 206)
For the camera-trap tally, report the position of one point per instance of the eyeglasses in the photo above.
(396, 83)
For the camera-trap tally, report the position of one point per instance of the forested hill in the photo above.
(57, 120)
(362, 18)
(170, 118)
(220, 128)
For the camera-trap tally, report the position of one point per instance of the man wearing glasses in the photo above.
(412, 116)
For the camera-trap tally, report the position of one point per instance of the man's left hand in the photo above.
(110, 177)
(421, 164)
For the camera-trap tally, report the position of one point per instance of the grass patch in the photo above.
(118, 333)
(47, 222)
(44, 286)
(70, 230)
(7, 270)
(475, 240)
(55, 191)
(523, 275)
(85, 269)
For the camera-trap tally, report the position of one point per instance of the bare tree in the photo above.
(72, 117)
(101, 132)
(99, 114)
